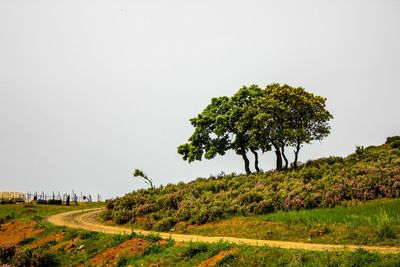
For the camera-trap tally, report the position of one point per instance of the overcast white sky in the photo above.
(90, 90)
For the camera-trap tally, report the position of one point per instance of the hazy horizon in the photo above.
(91, 90)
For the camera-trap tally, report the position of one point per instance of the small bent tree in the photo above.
(147, 180)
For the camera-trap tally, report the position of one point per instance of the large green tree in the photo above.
(288, 116)
(254, 119)
(216, 129)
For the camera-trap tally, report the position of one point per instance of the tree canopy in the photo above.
(256, 119)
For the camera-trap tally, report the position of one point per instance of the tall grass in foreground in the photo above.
(373, 213)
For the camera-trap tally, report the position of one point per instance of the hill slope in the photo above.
(367, 174)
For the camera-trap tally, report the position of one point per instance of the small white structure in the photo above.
(12, 196)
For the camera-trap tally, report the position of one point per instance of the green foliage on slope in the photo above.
(367, 174)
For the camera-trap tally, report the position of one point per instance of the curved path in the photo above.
(86, 219)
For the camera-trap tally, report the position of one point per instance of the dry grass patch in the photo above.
(213, 261)
(110, 256)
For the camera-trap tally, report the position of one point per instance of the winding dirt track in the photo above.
(86, 219)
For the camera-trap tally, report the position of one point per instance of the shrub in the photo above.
(7, 252)
(171, 201)
(23, 258)
(395, 144)
(194, 249)
(122, 216)
(263, 207)
(110, 204)
(44, 260)
(7, 218)
(154, 248)
(26, 241)
(384, 227)
(200, 216)
(88, 234)
(106, 215)
(227, 260)
(153, 237)
(122, 261)
(146, 222)
(164, 224)
(361, 257)
(392, 139)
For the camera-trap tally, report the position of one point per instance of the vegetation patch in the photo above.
(369, 173)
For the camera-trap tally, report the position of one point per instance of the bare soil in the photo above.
(14, 232)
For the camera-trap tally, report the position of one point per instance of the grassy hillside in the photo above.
(369, 173)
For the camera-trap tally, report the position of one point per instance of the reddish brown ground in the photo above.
(14, 232)
(109, 257)
(215, 259)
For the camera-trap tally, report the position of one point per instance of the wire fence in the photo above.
(64, 198)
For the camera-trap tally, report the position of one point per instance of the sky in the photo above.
(92, 89)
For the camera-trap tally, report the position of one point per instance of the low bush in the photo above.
(395, 144)
(153, 237)
(7, 252)
(362, 258)
(154, 248)
(7, 218)
(385, 229)
(122, 216)
(195, 248)
(164, 224)
(392, 139)
(45, 259)
(106, 215)
(23, 258)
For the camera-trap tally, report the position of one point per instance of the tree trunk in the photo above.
(246, 162)
(296, 154)
(255, 160)
(285, 158)
(278, 158)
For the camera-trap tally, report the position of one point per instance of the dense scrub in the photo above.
(369, 173)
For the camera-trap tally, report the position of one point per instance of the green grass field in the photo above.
(374, 222)
(28, 211)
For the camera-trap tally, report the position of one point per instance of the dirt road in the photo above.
(85, 219)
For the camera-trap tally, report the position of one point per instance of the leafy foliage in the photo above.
(255, 119)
